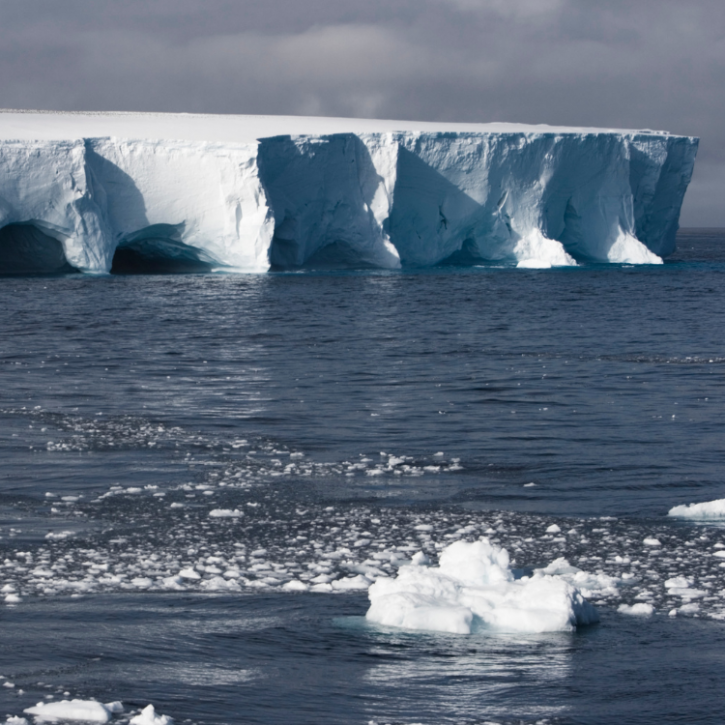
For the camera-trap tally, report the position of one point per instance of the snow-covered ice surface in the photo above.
(92, 191)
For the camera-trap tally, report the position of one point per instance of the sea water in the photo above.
(202, 475)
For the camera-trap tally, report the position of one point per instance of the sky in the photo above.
(657, 64)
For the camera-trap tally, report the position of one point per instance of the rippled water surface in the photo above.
(319, 428)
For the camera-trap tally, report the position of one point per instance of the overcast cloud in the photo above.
(656, 64)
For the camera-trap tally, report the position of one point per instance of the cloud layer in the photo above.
(626, 64)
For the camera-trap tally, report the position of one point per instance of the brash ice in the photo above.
(92, 191)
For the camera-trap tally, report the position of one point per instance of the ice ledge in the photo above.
(329, 192)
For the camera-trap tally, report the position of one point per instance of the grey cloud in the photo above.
(639, 64)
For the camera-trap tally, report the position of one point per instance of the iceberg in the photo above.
(128, 192)
(473, 588)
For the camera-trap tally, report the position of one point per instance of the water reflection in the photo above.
(469, 677)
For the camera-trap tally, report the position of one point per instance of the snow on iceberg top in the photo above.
(20, 125)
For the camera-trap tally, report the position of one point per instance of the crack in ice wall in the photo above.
(386, 199)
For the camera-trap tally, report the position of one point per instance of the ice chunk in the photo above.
(295, 585)
(189, 573)
(590, 585)
(78, 710)
(678, 582)
(148, 716)
(703, 511)
(473, 587)
(226, 513)
(354, 583)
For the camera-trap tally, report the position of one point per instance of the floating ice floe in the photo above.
(474, 588)
(705, 510)
(75, 710)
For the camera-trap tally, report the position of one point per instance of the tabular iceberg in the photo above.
(96, 191)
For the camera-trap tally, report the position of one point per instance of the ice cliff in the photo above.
(93, 192)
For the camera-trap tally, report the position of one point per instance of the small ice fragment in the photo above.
(226, 513)
(189, 573)
(650, 541)
(420, 559)
(78, 710)
(175, 583)
(16, 721)
(354, 583)
(12, 599)
(529, 485)
(678, 582)
(296, 586)
(116, 707)
(640, 609)
(553, 529)
(692, 608)
(148, 716)
(59, 535)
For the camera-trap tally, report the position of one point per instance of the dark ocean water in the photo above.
(335, 412)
